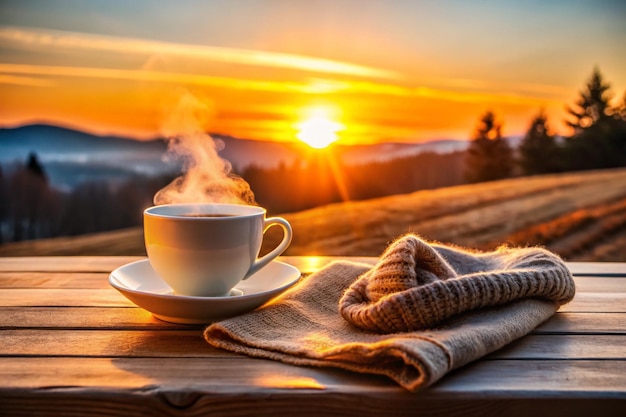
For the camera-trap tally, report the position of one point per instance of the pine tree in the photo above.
(599, 139)
(5, 207)
(616, 136)
(619, 112)
(489, 156)
(593, 104)
(539, 152)
(34, 167)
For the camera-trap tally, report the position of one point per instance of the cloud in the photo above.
(456, 90)
(25, 81)
(82, 41)
(530, 94)
(314, 86)
(153, 76)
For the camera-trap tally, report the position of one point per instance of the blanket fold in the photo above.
(421, 311)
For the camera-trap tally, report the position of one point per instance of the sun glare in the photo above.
(318, 130)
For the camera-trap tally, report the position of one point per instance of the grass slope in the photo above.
(581, 216)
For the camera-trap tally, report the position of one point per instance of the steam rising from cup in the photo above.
(207, 178)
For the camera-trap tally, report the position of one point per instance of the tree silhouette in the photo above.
(616, 136)
(4, 204)
(619, 112)
(489, 156)
(593, 104)
(599, 139)
(539, 152)
(35, 168)
(30, 200)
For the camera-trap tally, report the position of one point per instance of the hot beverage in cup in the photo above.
(207, 215)
(206, 249)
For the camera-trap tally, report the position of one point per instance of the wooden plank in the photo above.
(533, 377)
(190, 343)
(91, 280)
(83, 318)
(584, 323)
(112, 343)
(522, 378)
(139, 319)
(62, 298)
(564, 347)
(588, 302)
(214, 374)
(78, 280)
(600, 284)
(306, 264)
(99, 280)
(582, 303)
(296, 402)
(64, 263)
(617, 269)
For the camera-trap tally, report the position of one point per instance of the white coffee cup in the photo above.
(206, 249)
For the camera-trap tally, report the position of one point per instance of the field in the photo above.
(581, 216)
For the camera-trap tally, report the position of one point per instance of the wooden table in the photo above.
(71, 344)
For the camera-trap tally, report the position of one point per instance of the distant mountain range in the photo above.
(72, 156)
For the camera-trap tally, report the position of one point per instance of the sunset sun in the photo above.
(318, 130)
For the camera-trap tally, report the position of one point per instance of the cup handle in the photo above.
(267, 258)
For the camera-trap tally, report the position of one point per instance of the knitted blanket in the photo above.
(422, 311)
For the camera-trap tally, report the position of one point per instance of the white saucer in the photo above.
(138, 282)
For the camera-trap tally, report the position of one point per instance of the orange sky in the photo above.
(386, 71)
